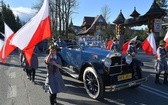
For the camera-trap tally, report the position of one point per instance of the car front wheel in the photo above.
(93, 83)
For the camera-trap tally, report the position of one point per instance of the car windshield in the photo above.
(90, 41)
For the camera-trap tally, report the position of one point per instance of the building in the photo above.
(93, 25)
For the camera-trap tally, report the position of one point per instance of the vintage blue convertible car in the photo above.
(99, 69)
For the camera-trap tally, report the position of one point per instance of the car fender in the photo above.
(99, 67)
(138, 62)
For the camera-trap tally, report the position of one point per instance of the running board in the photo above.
(70, 72)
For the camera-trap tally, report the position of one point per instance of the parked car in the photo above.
(100, 70)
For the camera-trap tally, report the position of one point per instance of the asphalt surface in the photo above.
(16, 89)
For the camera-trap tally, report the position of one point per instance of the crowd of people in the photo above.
(53, 63)
(161, 64)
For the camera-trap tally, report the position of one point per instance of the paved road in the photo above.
(16, 89)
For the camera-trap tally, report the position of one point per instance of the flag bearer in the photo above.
(161, 63)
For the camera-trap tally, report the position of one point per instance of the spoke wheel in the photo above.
(93, 83)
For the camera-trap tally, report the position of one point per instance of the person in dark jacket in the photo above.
(161, 63)
(31, 69)
(54, 78)
(115, 45)
(132, 50)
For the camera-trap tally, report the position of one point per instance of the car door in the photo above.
(72, 55)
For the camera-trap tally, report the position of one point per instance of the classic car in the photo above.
(100, 70)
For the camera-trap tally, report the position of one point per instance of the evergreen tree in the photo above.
(9, 18)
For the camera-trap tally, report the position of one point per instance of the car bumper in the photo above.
(125, 85)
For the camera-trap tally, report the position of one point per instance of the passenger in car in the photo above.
(54, 79)
(59, 42)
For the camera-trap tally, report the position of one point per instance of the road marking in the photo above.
(154, 91)
(12, 91)
(113, 101)
(12, 67)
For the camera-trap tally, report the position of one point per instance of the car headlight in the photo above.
(107, 62)
(128, 59)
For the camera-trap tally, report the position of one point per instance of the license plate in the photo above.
(124, 76)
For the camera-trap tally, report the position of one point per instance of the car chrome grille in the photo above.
(118, 66)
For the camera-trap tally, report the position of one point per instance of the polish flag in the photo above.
(33, 32)
(1, 45)
(166, 39)
(149, 45)
(7, 49)
(109, 45)
(125, 46)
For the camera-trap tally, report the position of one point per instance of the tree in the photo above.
(60, 14)
(105, 11)
(7, 16)
(109, 31)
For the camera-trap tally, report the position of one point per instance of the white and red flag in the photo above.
(1, 45)
(149, 45)
(33, 32)
(7, 49)
(166, 39)
(125, 46)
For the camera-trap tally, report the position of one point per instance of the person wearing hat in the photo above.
(115, 45)
(161, 63)
(54, 79)
(132, 50)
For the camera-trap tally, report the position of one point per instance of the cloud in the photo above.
(24, 13)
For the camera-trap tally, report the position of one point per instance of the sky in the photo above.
(23, 8)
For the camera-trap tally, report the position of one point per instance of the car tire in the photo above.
(93, 83)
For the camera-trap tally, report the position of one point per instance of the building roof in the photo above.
(155, 10)
(135, 13)
(120, 19)
(87, 21)
(140, 20)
